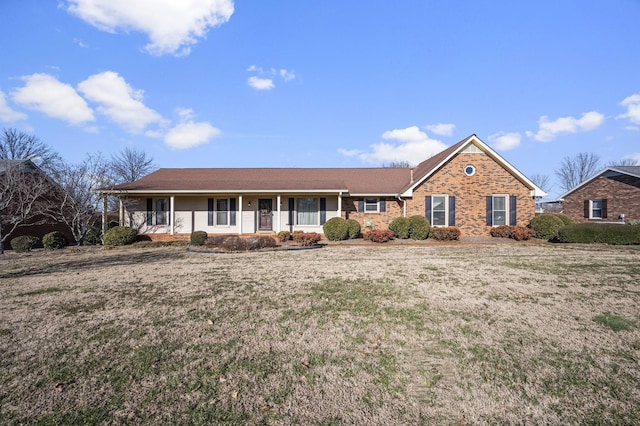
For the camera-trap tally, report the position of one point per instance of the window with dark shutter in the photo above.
(586, 208)
(512, 210)
(383, 205)
(323, 211)
(149, 211)
(427, 207)
(452, 211)
(361, 205)
(292, 203)
(210, 212)
(232, 211)
(489, 210)
(604, 208)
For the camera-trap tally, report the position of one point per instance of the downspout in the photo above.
(404, 202)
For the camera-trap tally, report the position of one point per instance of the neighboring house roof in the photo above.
(354, 181)
(633, 171)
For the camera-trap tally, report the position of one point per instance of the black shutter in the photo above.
(210, 212)
(452, 211)
(604, 208)
(360, 205)
(512, 210)
(427, 208)
(586, 209)
(232, 211)
(323, 211)
(168, 205)
(383, 205)
(489, 210)
(292, 203)
(149, 211)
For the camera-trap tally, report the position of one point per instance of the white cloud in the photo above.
(633, 108)
(189, 134)
(504, 141)
(287, 75)
(119, 101)
(441, 129)
(412, 145)
(548, 130)
(7, 114)
(44, 93)
(172, 26)
(261, 83)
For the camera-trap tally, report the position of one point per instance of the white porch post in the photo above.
(121, 212)
(105, 219)
(279, 202)
(240, 214)
(339, 204)
(173, 214)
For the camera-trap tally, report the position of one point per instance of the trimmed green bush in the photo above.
(54, 240)
(198, 238)
(546, 225)
(353, 227)
(93, 237)
(400, 227)
(419, 227)
(24, 243)
(335, 229)
(283, 236)
(567, 220)
(448, 233)
(608, 233)
(120, 236)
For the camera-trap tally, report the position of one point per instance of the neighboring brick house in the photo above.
(612, 195)
(468, 185)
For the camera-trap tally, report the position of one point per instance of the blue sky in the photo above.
(218, 83)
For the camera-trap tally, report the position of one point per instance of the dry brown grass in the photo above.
(371, 334)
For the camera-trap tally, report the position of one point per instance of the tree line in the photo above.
(65, 192)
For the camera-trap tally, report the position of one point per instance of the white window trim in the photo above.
(377, 210)
(216, 211)
(297, 219)
(154, 212)
(591, 216)
(506, 209)
(446, 210)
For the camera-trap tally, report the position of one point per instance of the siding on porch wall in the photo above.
(471, 191)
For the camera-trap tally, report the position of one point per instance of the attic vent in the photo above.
(472, 149)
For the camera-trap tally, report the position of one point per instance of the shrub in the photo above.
(353, 228)
(379, 236)
(283, 236)
(599, 233)
(566, 220)
(234, 243)
(520, 233)
(198, 238)
(307, 239)
(400, 227)
(419, 227)
(260, 242)
(634, 222)
(24, 243)
(502, 231)
(54, 240)
(335, 229)
(546, 225)
(448, 233)
(120, 236)
(93, 237)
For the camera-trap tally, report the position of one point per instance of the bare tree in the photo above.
(130, 165)
(398, 165)
(624, 162)
(575, 170)
(543, 181)
(16, 145)
(81, 206)
(24, 194)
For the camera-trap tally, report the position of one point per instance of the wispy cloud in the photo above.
(7, 114)
(504, 141)
(632, 103)
(441, 129)
(634, 157)
(44, 93)
(264, 80)
(189, 133)
(548, 130)
(409, 144)
(119, 102)
(261, 83)
(172, 26)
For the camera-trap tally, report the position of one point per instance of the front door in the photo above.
(265, 214)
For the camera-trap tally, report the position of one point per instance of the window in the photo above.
(469, 170)
(439, 210)
(222, 211)
(499, 210)
(307, 211)
(158, 212)
(595, 209)
(371, 205)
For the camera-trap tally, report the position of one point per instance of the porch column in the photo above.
(279, 202)
(240, 215)
(121, 212)
(339, 204)
(172, 216)
(105, 220)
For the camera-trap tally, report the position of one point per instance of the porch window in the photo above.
(307, 211)
(222, 211)
(157, 211)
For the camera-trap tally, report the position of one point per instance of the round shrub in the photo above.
(54, 240)
(419, 227)
(400, 227)
(335, 229)
(198, 238)
(546, 226)
(353, 227)
(564, 218)
(120, 236)
(92, 238)
(283, 236)
(24, 243)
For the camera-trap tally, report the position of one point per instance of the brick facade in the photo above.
(622, 193)
(393, 208)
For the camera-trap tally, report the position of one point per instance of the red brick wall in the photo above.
(394, 209)
(621, 192)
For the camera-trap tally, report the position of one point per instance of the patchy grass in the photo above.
(449, 334)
